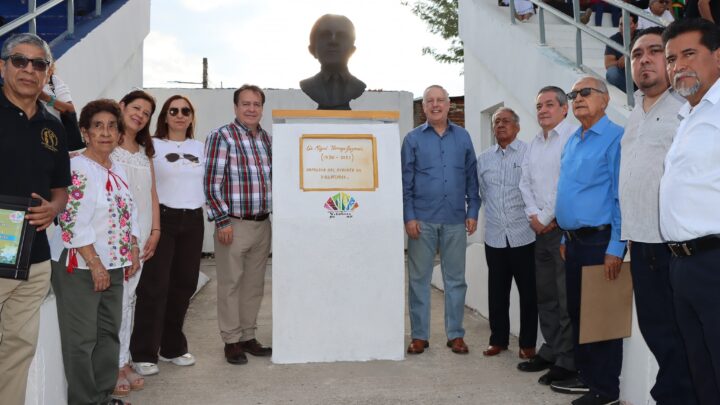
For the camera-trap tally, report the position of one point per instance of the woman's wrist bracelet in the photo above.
(154, 230)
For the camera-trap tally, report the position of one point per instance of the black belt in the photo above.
(695, 246)
(183, 210)
(585, 231)
(256, 217)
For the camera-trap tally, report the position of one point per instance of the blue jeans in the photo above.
(616, 77)
(451, 239)
(602, 7)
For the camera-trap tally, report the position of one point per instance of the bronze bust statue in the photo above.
(332, 42)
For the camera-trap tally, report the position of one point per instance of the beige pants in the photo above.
(241, 278)
(19, 323)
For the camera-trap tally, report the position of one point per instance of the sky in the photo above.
(265, 42)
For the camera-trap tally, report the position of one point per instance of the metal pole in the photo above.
(71, 18)
(32, 24)
(578, 35)
(541, 24)
(205, 74)
(629, 86)
(98, 8)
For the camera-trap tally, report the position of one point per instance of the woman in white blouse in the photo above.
(99, 233)
(170, 277)
(134, 154)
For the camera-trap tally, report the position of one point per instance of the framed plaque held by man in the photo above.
(16, 237)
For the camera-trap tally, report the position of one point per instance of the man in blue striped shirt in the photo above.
(588, 210)
(509, 240)
(440, 204)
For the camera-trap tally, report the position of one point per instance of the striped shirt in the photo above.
(499, 172)
(237, 179)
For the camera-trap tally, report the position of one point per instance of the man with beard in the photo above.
(690, 197)
(648, 135)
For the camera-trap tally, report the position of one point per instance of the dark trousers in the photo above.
(599, 363)
(696, 294)
(552, 301)
(89, 326)
(166, 285)
(650, 268)
(504, 264)
(602, 7)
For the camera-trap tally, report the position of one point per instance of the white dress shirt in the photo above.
(541, 170)
(690, 187)
(648, 136)
(644, 23)
(499, 173)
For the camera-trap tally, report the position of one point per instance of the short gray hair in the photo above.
(559, 94)
(28, 39)
(435, 86)
(514, 115)
(598, 82)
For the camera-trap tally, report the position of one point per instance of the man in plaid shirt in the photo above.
(238, 190)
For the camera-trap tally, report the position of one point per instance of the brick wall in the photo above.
(456, 115)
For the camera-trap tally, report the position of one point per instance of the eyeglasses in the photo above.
(173, 111)
(21, 61)
(585, 92)
(174, 157)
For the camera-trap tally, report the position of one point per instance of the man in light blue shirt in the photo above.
(440, 204)
(588, 211)
(509, 240)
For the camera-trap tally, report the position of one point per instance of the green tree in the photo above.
(441, 17)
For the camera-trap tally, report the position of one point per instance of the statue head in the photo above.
(332, 41)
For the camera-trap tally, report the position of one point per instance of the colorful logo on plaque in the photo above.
(341, 204)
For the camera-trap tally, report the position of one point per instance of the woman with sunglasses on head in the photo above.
(170, 277)
(134, 154)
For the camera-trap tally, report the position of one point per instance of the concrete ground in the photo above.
(437, 376)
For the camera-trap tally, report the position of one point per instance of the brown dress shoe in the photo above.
(417, 346)
(254, 347)
(527, 353)
(494, 350)
(458, 346)
(234, 353)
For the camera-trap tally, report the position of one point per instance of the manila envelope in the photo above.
(605, 306)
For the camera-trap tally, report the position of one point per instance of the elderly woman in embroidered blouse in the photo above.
(99, 234)
(134, 154)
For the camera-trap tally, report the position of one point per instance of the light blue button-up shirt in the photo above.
(499, 172)
(439, 176)
(588, 185)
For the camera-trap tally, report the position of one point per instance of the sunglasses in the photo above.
(585, 92)
(21, 61)
(174, 157)
(173, 111)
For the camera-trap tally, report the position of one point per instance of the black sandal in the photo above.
(117, 401)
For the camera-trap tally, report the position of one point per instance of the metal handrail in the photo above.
(627, 9)
(35, 11)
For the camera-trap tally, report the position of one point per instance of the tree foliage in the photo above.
(441, 17)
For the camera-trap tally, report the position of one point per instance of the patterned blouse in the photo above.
(100, 211)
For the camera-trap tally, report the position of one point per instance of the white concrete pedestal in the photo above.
(338, 273)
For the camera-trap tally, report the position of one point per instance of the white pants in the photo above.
(128, 314)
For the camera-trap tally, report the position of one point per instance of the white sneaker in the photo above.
(146, 368)
(186, 359)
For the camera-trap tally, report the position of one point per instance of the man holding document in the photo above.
(588, 211)
(35, 165)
